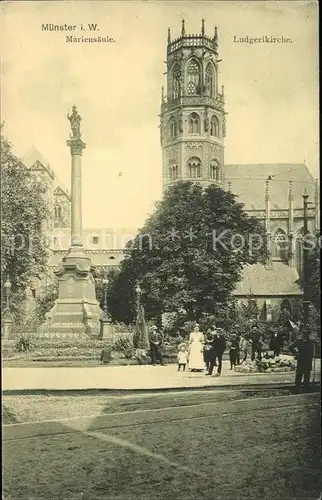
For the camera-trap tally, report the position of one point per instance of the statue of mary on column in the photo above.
(75, 119)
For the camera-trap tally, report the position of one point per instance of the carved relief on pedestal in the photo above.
(69, 287)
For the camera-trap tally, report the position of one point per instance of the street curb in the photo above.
(314, 387)
(91, 423)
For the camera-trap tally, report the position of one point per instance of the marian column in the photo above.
(76, 311)
(76, 149)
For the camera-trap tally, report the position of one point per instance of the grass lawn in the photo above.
(232, 454)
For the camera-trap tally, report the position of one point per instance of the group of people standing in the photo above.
(203, 352)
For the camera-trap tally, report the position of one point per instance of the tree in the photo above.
(313, 286)
(141, 337)
(190, 253)
(24, 211)
(314, 273)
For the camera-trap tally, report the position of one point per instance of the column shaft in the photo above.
(76, 205)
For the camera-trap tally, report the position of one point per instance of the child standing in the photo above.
(233, 351)
(182, 358)
(243, 346)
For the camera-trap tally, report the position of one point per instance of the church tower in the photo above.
(193, 111)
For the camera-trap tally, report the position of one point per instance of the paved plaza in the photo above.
(145, 377)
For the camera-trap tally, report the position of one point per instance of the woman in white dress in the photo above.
(196, 357)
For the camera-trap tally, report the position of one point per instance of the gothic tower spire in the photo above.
(193, 111)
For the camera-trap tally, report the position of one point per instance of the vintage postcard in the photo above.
(160, 250)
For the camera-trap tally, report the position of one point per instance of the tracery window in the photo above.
(194, 123)
(193, 85)
(210, 80)
(176, 81)
(173, 172)
(173, 128)
(194, 168)
(280, 246)
(57, 212)
(214, 170)
(214, 126)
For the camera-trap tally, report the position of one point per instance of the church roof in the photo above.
(248, 183)
(32, 156)
(258, 279)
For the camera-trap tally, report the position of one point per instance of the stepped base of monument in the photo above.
(73, 318)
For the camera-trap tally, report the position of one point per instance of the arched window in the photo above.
(214, 126)
(57, 216)
(173, 172)
(173, 127)
(176, 81)
(193, 84)
(57, 212)
(194, 123)
(214, 170)
(210, 80)
(280, 246)
(194, 168)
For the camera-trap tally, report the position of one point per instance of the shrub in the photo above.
(22, 344)
(123, 343)
(123, 328)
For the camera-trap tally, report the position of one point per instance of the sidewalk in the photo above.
(132, 378)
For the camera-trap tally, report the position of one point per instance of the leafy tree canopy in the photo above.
(190, 253)
(24, 212)
(314, 273)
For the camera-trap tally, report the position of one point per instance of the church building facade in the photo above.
(192, 132)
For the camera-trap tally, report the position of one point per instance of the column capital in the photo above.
(76, 146)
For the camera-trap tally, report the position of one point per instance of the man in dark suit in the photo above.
(218, 347)
(303, 350)
(255, 337)
(276, 343)
(155, 346)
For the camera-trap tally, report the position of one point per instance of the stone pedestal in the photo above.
(76, 312)
(7, 322)
(106, 330)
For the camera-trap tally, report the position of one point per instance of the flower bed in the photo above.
(281, 364)
(71, 353)
(58, 349)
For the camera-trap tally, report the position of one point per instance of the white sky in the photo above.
(271, 90)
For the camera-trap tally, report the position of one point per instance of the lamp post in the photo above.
(138, 292)
(105, 283)
(306, 302)
(7, 286)
(7, 319)
(140, 339)
(106, 326)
